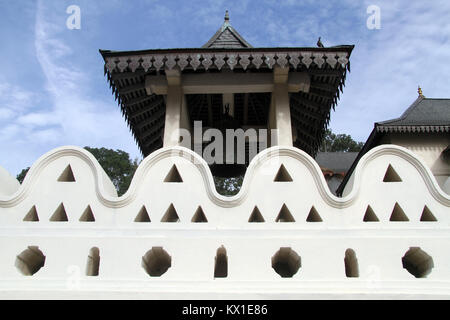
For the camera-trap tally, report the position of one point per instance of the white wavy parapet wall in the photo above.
(285, 235)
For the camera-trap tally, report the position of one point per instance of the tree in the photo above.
(339, 142)
(120, 168)
(116, 163)
(228, 186)
(331, 143)
(22, 174)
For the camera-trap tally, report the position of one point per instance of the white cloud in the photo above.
(84, 120)
(389, 64)
(411, 48)
(72, 116)
(13, 100)
(38, 119)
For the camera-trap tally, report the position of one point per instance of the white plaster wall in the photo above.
(8, 184)
(379, 246)
(428, 147)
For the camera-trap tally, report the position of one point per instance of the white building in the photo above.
(424, 129)
(64, 233)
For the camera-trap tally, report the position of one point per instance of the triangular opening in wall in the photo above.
(170, 215)
(313, 216)
(142, 215)
(370, 215)
(199, 215)
(283, 175)
(284, 215)
(398, 214)
(67, 175)
(173, 175)
(427, 215)
(391, 175)
(87, 215)
(59, 214)
(256, 216)
(32, 215)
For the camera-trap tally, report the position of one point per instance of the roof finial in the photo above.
(419, 91)
(227, 17)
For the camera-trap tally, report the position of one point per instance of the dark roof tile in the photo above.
(425, 115)
(227, 37)
(423, 112)
(338, 162)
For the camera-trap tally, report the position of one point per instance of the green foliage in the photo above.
(331, 143)
(339, 142)
(228, 186)
(117, 165)
(22, 174)
(120, 168)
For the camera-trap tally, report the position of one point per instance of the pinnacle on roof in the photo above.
(227, 37)
(425, 115)
(227, 17)
(423, 112)
(419, 91)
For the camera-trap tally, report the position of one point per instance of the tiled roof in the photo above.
(423, 115)
(338, 162)
(227, 50)
(227, 37)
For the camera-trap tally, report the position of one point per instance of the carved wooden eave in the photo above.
(310, 111)
(414, 129)
(210, 58)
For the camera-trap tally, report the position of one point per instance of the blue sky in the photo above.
(53, 92)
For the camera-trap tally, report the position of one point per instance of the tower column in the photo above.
(280, 112)
(177, 116)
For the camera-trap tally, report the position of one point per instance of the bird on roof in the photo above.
(319, 43)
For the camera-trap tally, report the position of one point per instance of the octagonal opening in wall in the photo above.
(30, 261)
(417, 262)
(286, 262)
(156, 262)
